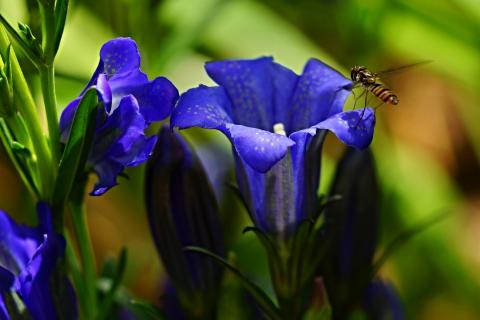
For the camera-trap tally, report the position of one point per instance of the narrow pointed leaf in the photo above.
(257, 293)
(404, 237)
(108, 300)
(61, 9)
(145, 310)
(77, 148)
(21, 166)
(267, 243)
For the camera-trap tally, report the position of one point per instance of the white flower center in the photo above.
(279, 128)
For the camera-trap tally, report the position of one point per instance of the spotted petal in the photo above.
(156, 98)
(258, 148)
(354, 128)
(204, 107)
(249, 86)
(320, 93)
(120, 56)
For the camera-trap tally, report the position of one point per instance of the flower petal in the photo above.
(66, 119)
(6, 280)
(119, 131)
(258, 148)
(104, 91)
(104, 95)
(249, 86)
(204, 107)
(285, 82)
(138, 152)
(120, 56)
(320, 93)
(156, 98)
(354, 128)
(18, 243)
(35, 282)
(107, 172)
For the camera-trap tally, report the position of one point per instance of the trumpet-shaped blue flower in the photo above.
(130, 103)
(271, 116)
(28, 260)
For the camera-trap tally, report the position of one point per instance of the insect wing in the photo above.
(401, 68)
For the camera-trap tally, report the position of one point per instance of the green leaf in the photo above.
(275, 263)
(108, 300)
(405, 236)
(257, 293)
(144, 310)
(267, 243)
(26, 47)
(61, 9)
(297, 258)
(20, 149)
(72, 163)
(6, 82)
(19, 160)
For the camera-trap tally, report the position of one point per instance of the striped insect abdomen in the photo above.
(383, 93)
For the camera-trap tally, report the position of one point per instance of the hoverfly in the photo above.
(371, 82)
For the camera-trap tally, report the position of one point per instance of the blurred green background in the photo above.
(427, 148)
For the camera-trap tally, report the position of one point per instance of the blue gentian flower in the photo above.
(28, 259)
(130, 103)
(271, 116)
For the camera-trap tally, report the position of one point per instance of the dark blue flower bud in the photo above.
(182, 211)
(381, 301)
(351, 229)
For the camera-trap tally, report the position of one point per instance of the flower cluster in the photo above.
(276, 121)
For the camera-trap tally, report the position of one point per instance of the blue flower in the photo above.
(28, 260)
(271, 116)
(130, 103)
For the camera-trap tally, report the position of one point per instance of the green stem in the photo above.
(80, 226)
(26, 106)
(47, 78)
(74, 269)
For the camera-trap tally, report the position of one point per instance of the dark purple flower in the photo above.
(271, 116)
(28, 260)
(130, 103)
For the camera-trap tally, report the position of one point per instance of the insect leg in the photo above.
(357, 98)
(364, 108)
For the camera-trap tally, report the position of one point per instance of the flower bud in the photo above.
(182, 211)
